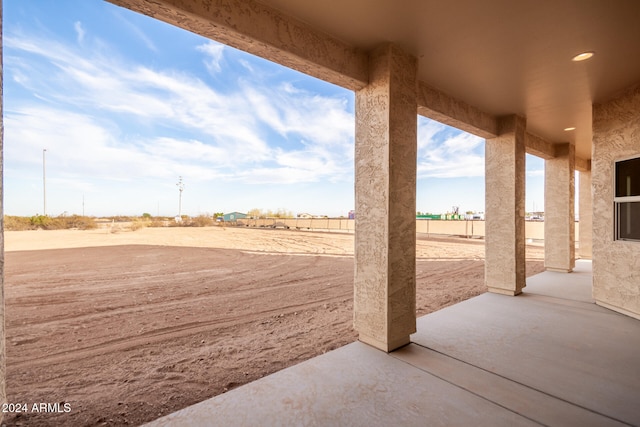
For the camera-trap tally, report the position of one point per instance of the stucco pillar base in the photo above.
(386, 346)
(618, 309)
(559, 270)
(503, 291)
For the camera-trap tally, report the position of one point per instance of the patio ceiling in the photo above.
(501, 56)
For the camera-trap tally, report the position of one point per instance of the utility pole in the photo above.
(44, 182)
(180, 185)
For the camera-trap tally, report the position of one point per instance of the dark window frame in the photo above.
(626, 201)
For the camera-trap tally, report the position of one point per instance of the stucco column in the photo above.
(586, 215)
(385, 201)
(559, 211)
(504, 208)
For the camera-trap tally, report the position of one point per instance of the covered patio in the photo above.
(549, 357)
(565, 351)
(559, 81)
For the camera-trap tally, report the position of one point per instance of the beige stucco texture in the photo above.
(385, 181)
(559, 228)
(504, 208)
(616, 264)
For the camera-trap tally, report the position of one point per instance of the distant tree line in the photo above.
(259, 213)
(45, 222)
(80, 222)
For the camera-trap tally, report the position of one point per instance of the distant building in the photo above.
(430, 216)
(475, 216)
(535, 216)
(233, 216)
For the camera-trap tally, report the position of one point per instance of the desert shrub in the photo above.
(174, 223)
(17, 223)
(158, 222)
(120, 218)
(44, 222)
(137, 224)
(78, 222)
(201, 221)
(187, 221)
(63, 222)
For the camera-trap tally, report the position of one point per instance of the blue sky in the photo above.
(125, 104)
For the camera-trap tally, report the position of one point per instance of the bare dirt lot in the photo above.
(125, 327)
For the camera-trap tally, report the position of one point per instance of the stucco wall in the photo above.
(468, 228)
(616, 264)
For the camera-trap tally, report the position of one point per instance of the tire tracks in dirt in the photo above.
(162, 334)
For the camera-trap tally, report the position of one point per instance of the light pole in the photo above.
(180, 185)
(44, 182)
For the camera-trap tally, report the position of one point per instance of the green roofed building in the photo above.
(233, 216)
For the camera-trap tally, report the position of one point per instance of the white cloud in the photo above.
(427, 130)
(105, 117)
(264, 108)
(213, 52)
(279, 175)
(89, 150)
(79, 31)
(534, 166)
(443, 153)
(246, 65)
(75, 143)
(292, 111)
(137, 32)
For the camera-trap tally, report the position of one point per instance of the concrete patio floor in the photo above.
(548, 357)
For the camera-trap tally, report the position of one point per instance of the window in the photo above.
(627, 199)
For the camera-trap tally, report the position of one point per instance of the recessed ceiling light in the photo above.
(582, 56)
(569, 129)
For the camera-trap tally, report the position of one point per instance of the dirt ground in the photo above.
(120, 328)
